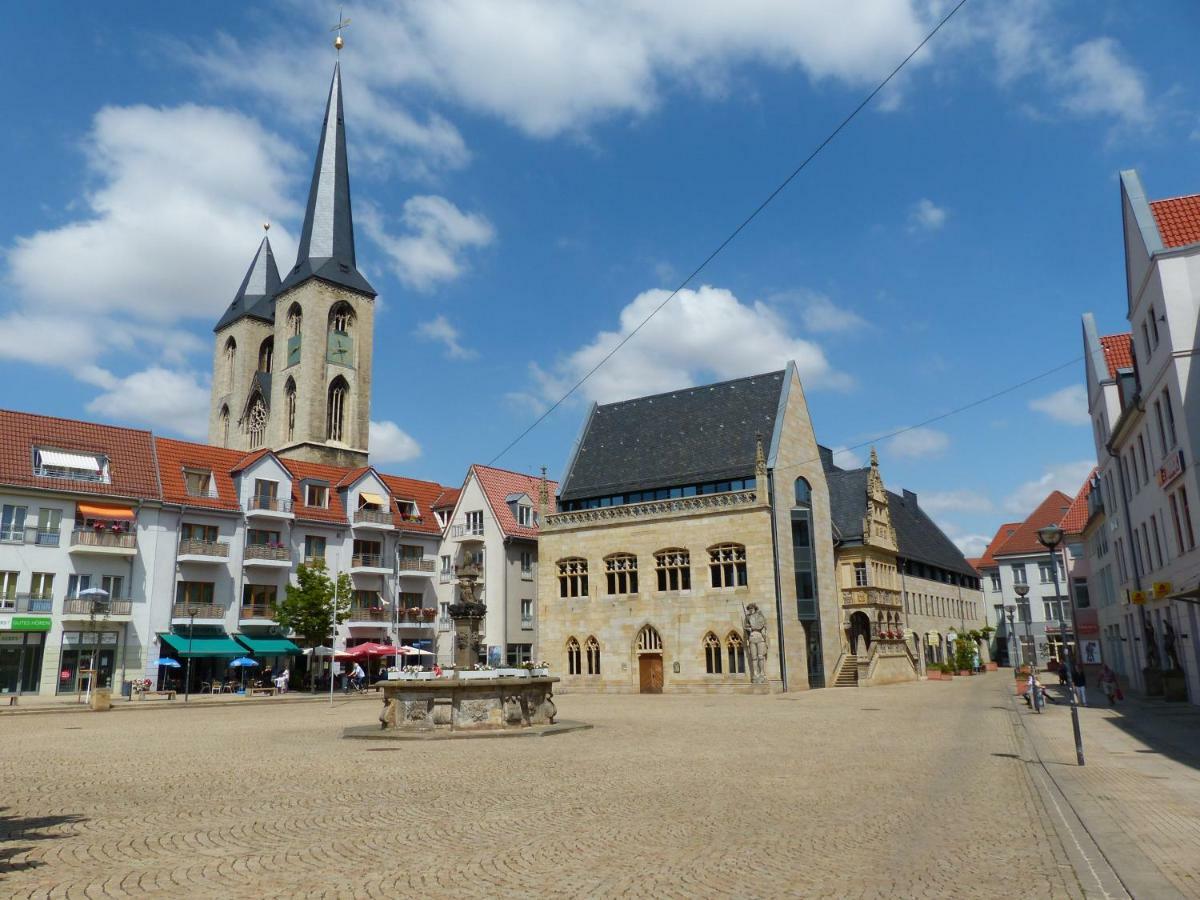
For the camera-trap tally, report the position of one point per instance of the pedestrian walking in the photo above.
(1080, 682)
(1108, 684)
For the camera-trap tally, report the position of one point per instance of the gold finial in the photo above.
(342, 24)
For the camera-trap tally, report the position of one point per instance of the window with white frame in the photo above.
(1018, 570)
(475, 522)
(860, 574)
(527, 613)
(524, 515)
(995, 581)
(526, 563)
(316, 495)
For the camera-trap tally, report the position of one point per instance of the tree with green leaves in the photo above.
(308, 606)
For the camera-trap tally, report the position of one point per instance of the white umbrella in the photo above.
(414, 651)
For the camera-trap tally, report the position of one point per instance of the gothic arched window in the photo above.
(294, 319)
(230, 360)
(673, 568)
(256, 423)
(737, 654)
(803, 492)
(335, 424)
(289, 392)
(341, 318)
(572, 577)
(620, 571)
(592, 646)
(712, 654)
(727, 565)
(224, 426)
(573, 657)
(266, 354)
(649, 640)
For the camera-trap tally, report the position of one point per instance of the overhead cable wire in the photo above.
(734, 234)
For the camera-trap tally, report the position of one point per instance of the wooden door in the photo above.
(650, 672)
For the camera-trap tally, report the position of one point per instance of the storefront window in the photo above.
(79, 649)
(20, 662)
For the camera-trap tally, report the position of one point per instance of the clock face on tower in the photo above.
(340, 350)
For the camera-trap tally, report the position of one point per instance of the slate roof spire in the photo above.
(327, 238)
(256, 297)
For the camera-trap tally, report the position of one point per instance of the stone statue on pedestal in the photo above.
(755, 625)
(1169, 646)
(1152, 658)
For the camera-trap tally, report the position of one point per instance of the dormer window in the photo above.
(409, 511)
(316, 495)
(524, 515)
(69, 464)
(199, 483)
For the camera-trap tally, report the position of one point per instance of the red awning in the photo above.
(96, 511)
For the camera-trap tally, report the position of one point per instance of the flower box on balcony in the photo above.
(512, 673)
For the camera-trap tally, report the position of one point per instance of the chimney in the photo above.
(910, 497)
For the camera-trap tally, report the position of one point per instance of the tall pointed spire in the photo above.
(256, 296)
(327, 238)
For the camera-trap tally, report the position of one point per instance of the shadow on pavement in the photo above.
(1166, 728)
(16, 830)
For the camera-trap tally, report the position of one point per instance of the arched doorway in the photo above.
(650, 661)
(860, 626)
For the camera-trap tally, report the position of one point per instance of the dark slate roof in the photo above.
(256, 297)
(681, 437)
(327, 238)
(917, 536)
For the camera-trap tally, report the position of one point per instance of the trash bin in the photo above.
(101, 699)
(127, 690)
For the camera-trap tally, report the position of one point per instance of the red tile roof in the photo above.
(423, 493)
(1118, 352)
(1003, 533)
(1024, 540)
(498, 484)
(447, 499)
(1178, 220)
(130, 452)
(331, 475)
(173, 456)
(1076, 518)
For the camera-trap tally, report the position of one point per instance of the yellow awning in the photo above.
(96, 511)
(368, 497)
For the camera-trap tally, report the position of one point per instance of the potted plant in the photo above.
(540, 669)
(480, 671)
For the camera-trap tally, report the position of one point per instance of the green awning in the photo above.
(203, 647)
(268, 646)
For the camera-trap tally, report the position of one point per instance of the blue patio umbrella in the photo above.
(168, 662)
(241, 663)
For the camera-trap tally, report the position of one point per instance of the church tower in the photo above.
(292, 370)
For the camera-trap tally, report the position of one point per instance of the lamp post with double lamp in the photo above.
(1011, 612)
(1022, 592)
(1050, 537)
(187, 679)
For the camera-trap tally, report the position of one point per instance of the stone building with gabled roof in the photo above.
(692, 531)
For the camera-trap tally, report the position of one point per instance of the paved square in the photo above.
(912, 790)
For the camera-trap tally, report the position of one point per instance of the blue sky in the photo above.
(527, 176)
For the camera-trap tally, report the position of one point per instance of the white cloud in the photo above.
(1068, 405)
(165, 400)
(439, 329)
(926, 215)
(961, 500)
(1065, 477)
(438, 233)
(919, 443)
(971, 545)
(701, 335)
(847, 459)
(1097, 80)
(390, 444)
(821, 316)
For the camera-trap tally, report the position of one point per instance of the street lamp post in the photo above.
(1011, 612)
(1050, 537)
(1023, 591)
(187, 679)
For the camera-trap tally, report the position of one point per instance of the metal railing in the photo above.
(192, 547)
(121, 540)
(266, 551)
(445, 577)
(71, 474)
(372, 517)
(269, 504)
(200, 610)
(465, 530)
(412, 564)
(256, 611)
(34, 603)
(204, 493)
(366, 561)
(417, 614)
(99, 608)
(28, 534)
(369, 614)
(526, 622)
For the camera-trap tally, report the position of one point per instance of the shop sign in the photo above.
(1137, 598)
(1171, 468)
(1161, 589)
(1088, 628)
(11, 638)
(24, 623)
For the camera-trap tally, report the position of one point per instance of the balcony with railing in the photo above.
(373, 518)
(276, 507)
(420, 616)
(368, 563)
(30, 535)
(261, 612)
(117, 543)
(270, 555)
(869, 596)
(676, 507)
(87, 608)
(26, 603)
(369, 615)
(202, 551)
(411, 565)
(205, 613)
(467, 532)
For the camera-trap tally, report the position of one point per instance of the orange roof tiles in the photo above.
(1076, 518)
(1024, 540)
(498, 484)
(1003, 533)
(130, 452)
(1178, 220)
(174, 456)
(334, 511)
(424, 494)
(1118, 352)
(447, 498)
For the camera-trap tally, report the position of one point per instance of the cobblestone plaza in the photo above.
(910, 790)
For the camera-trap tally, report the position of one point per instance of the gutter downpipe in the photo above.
(783, 668)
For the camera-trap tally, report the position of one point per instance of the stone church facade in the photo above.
(292, 356)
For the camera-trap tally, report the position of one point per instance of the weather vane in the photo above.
(341, 26)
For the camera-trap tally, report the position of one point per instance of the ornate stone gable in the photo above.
(877, 521)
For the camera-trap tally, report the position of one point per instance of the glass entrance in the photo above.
(20, 662)
(816, 665)
(78, 650)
